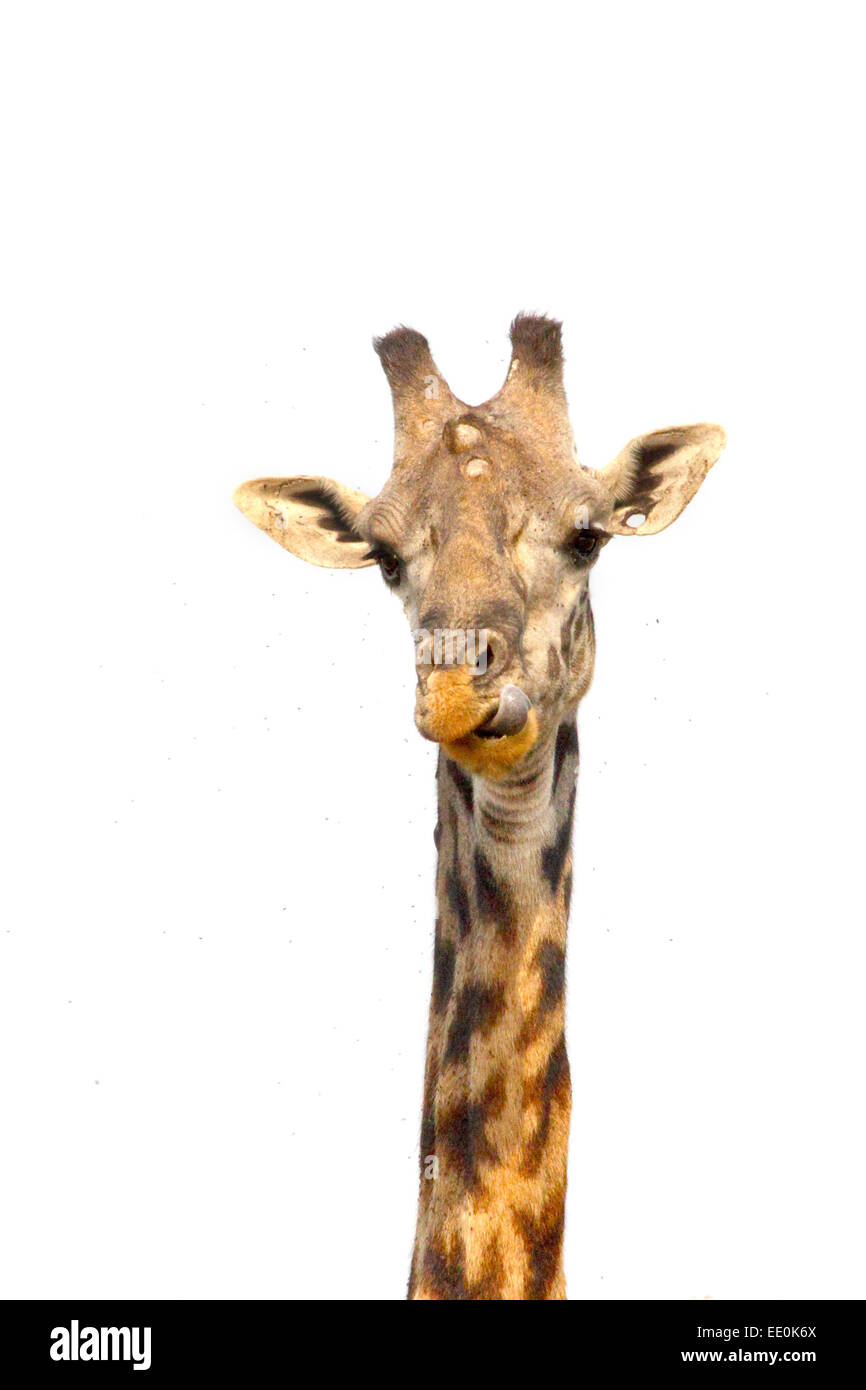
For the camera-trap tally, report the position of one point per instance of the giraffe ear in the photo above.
(656, 475)
(314, 518)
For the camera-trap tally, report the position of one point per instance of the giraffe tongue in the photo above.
(510, 717)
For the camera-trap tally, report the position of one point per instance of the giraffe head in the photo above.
(487, 530)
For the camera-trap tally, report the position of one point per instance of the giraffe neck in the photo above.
(497, 1094)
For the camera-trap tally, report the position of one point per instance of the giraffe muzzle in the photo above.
(486, 738)
(452, 707)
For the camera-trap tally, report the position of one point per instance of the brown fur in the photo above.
(405, 356)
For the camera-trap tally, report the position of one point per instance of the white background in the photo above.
(216, 948)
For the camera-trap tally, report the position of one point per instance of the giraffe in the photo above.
(488, 528)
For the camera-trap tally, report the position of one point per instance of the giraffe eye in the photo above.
(585, 543)
(389, 563)
(390, 567)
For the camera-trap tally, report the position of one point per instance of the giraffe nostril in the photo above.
(485, 656)
(491, 653)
